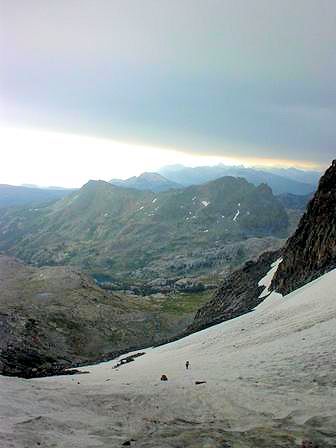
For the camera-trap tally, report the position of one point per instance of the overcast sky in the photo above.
(248, 80)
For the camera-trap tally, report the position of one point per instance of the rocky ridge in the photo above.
(238, 294)
(311, 251)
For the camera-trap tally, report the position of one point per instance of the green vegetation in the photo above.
(185, 302)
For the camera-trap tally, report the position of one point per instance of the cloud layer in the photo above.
(218, 77)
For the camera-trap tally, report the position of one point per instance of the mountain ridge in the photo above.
(147, 181)
(102, 227)
(13, 196)
(280, 184)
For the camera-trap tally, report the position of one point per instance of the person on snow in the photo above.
(187, 364)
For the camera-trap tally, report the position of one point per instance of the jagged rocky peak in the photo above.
(263, 187)
(311, 251)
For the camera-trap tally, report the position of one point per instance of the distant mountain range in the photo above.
(147, 181)
(11, 196)
(305, 176)
(109, 230)
(280, 180)
(52, 187)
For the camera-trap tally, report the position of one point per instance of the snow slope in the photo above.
(267, 280)
(270, 381)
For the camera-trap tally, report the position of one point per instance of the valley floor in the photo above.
(270, 382)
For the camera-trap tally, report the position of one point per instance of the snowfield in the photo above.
(267, 280)
(270, 382)
(236, 215)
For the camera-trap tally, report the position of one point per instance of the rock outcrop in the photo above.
(311, 251)
(238, 294)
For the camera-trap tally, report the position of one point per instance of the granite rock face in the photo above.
(311, 251)
(238, 294)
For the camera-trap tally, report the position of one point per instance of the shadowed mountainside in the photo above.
(295, 201)
(238, 294)
(56, 317)
(311, 251)
(13, 196)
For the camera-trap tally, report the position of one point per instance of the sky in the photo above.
(110, 88)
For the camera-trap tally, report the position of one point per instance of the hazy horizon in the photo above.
(72, 168)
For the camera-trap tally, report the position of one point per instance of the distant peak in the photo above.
(265, 188)
(152, 176)
(91, 182)
(147, 181)
(95, 183)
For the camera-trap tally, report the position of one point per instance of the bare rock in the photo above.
(311, 251)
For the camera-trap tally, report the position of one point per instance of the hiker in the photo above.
(187, 365)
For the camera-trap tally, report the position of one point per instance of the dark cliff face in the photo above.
(311, 251)
(238, 294)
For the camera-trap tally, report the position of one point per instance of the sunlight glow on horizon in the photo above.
(58, 159)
